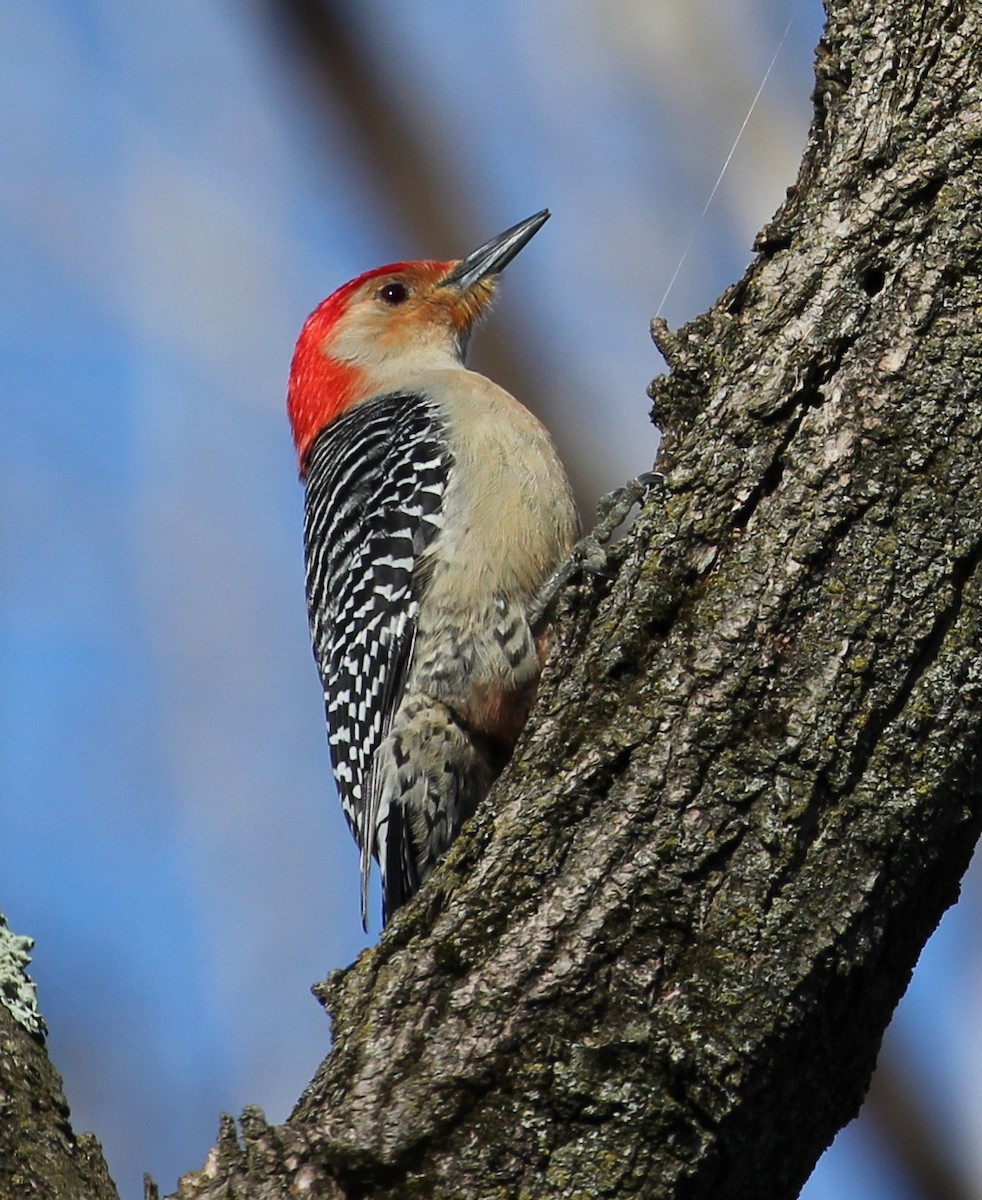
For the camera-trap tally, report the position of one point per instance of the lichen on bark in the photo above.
(660, 959)
(663, 956)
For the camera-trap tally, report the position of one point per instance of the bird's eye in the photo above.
(393, 293)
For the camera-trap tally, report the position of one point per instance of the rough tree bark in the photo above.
(660, 960)
(40, 1157)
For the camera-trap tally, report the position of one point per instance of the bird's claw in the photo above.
(590, 554)
(613, 508)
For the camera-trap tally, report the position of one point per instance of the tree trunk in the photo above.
(40, 1157)
(660, 960)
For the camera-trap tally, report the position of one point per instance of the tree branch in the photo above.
(39, 1154)
(662, 957)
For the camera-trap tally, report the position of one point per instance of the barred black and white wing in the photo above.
(375, 483)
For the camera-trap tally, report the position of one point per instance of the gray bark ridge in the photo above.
(660, 960)
(40, 1156)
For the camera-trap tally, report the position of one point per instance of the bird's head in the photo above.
(385, 323)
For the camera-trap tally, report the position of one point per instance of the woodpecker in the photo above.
(436, 509)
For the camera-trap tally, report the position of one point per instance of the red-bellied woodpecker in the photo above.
(436, 509)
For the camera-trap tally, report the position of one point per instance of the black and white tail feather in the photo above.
(375, 483)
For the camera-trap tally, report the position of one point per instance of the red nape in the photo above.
(320, 387)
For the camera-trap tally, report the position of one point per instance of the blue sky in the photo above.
(174, 198)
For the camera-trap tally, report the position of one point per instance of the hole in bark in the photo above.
(617, 668)
(737, 295)
(769, 482)
(929, 192)
(873, 280)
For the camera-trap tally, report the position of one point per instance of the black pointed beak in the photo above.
(494, 256)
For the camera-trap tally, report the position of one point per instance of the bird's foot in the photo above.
(590, 552)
